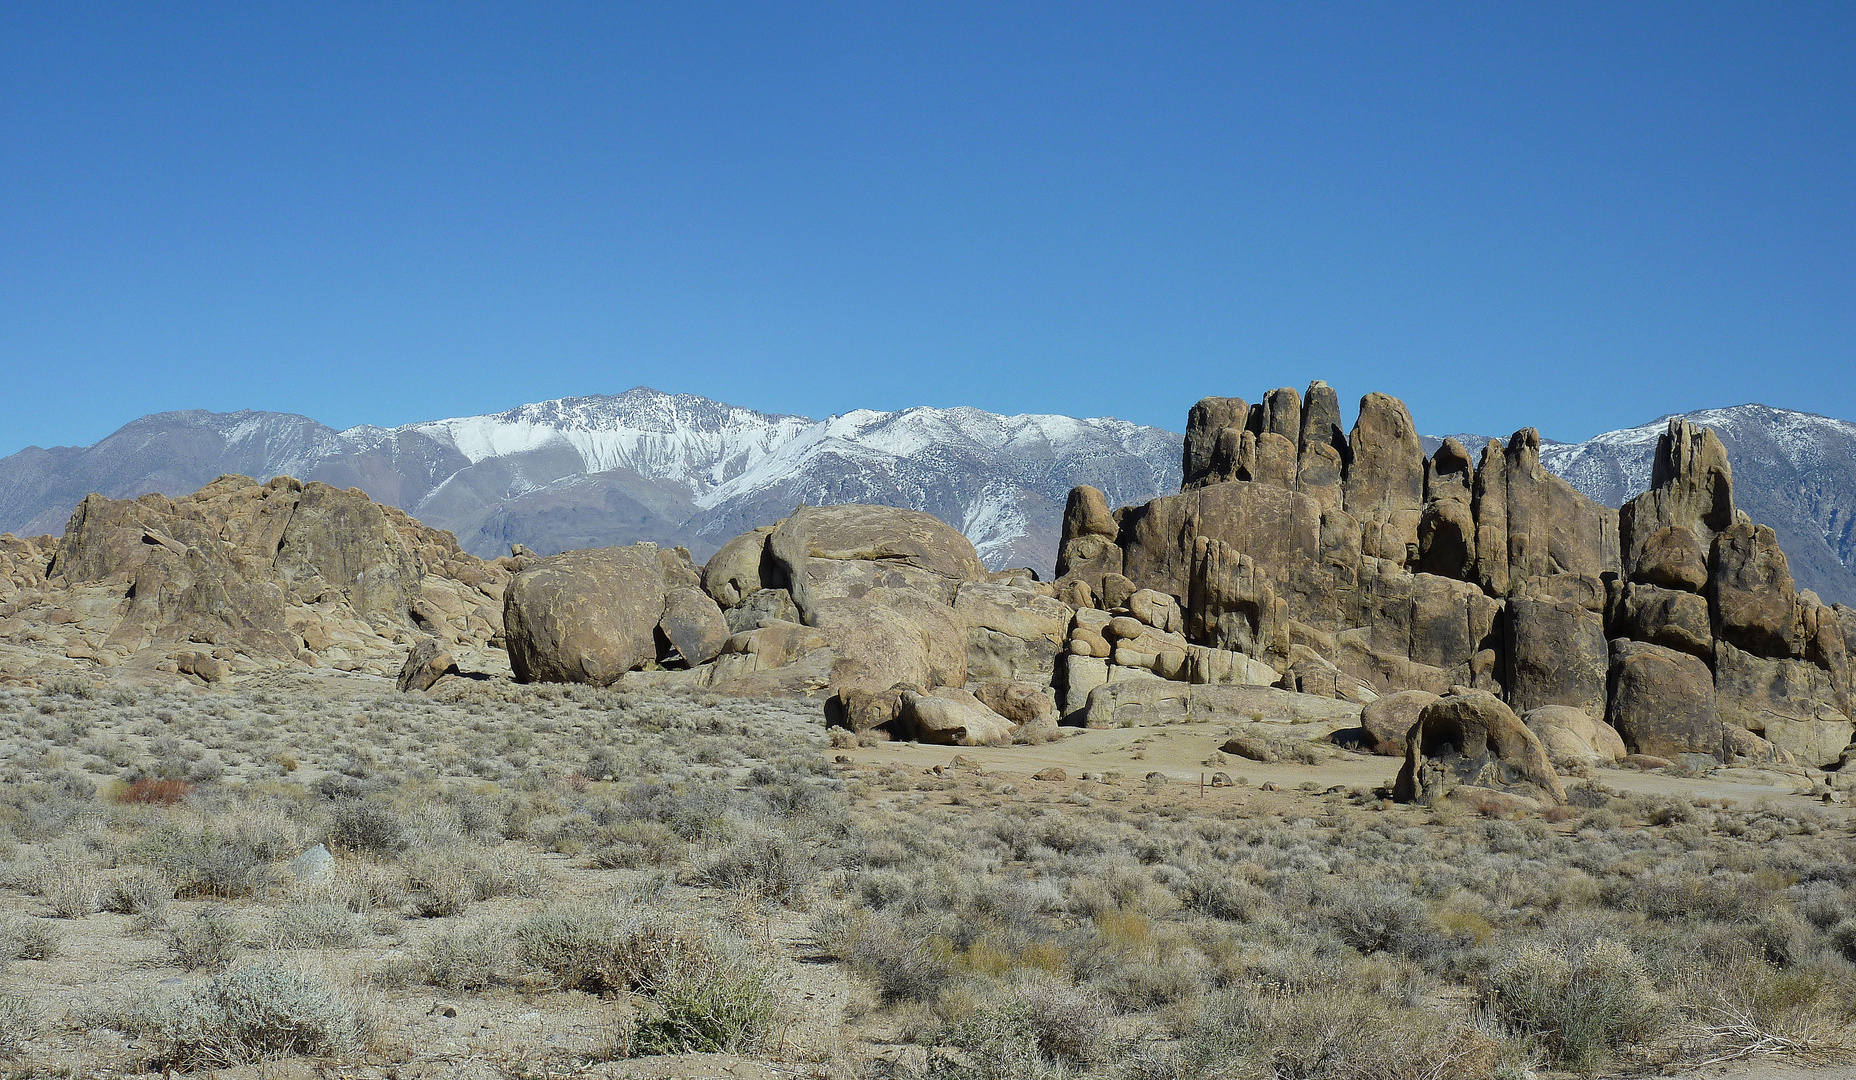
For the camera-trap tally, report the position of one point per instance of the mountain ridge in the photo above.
(683, 469)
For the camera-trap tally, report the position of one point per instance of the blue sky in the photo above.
(1575, 216)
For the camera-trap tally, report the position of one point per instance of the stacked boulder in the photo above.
(1352, 566)
(886, 613)
(1714, 650)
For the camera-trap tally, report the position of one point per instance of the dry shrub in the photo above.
(254, 1013)
(1580, 1003)
(153, 791)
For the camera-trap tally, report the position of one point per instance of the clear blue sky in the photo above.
(1577, 216)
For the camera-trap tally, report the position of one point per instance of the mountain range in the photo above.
(681, 469)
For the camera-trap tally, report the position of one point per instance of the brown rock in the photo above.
(1557, 655)
(1671, 558)
(1231, 603)
(1051, 774)
(427, 662)
(1691, 488)
(761, 607)
(1792, 704)
(680, 570)
(584, 616)
(1472, 738)
(1212, 429)
(741, 568)
(1662, 701)
(1667, 617)
(1572, 737)
(847, 551)
(1021, 703)
(1389, 719)
(1751, 595)
(953, 717)
(1245, 746)
(867, 710)
(692, 625)
(890, 636)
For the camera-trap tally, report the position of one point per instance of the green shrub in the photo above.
(312, 926)
(365, 825)
(1580, 1003)
(263, 1010)
(20, 1017)
(702, 999)
(209, 939)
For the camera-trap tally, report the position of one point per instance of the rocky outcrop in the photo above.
(1472, 738)
(832, 552)
(253, 576)
(1572, 738)
(1389, 719)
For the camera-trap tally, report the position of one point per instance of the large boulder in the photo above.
(1557, 655)
(1754, 603)
(1672, 618)
(584, 616)
(761, 607)
(427, 662)
(741, 568)
(1387, 473)
(692, 625)
(1792, 704)
(1086, 548)
(1691, 490)
(953, 717)
(1389, 719)
(1144, 701)
(1473, 738)
(1076, 677)
(1214, 430)
(1573, 738)
(889, 636)
(828, 552)
(1662, 701)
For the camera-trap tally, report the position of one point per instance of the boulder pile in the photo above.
(1353, 566)
(241, 577)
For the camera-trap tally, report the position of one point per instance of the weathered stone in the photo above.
(1790, 703)
(1667, 617)
(741, 568)
(1662, 701)
(1016, 612)
(1230, 603)
(829, 552)
(1212, 429)
(1051, 774)
(761, 607)
(1742, 746)
(1321, 420)
(954, 717)
(1557, 655)
(1550, 529)
(1750, 593)
(1691, 488)
(427, 662)
(1157, 701)
(1387, 473)
(775, 644)
(680, 570)
(1222, 667)
(1311, 673)
(890, 636)
(1671, 558)
(1273, 461)
(584, 616)
(1156, 609)
(1473, 738)
(1077, 676)
(1250, 747)
(862, 710)
(1572, 737)
(1116, 591)
(1388, 719)
(1087, 513)
(1019, 702)
(692, 625)
(993, 655)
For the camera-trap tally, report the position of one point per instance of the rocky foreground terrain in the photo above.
(1346, 759)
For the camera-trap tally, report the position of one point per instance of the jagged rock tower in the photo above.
(1354, 566)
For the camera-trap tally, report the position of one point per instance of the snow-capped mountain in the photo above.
(598, 470)
(1793, 471)
(681, 469)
